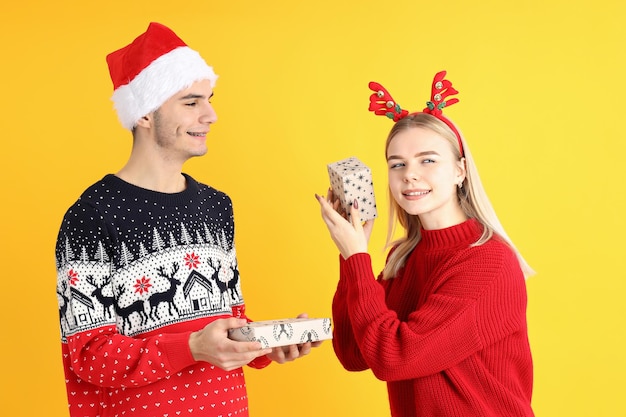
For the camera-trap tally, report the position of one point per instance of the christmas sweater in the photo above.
(137, 272)
(448, 334)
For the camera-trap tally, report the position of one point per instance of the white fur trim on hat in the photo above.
(159, 81)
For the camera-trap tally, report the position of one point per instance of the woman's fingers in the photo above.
(329, 214)
(364, 228)
(355, 218)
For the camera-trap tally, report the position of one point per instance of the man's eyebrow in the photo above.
(194, 96)
(417, 154)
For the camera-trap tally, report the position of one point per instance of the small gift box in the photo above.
(351, 179)
(272, 333)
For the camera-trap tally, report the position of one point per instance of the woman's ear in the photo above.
(461, 170)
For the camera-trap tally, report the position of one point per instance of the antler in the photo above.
(161, 271)
(441, 89)
(382, 104)
(90, 280)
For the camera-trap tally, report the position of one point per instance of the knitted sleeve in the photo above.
(103, 357)
(477, 302)
(344, 342)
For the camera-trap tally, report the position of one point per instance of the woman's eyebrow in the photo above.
(424, 153)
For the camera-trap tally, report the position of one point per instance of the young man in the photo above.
(148, 283)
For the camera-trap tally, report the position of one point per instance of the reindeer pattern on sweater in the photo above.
(137, 272)
(142, 263)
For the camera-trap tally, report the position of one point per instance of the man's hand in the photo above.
(212, 345)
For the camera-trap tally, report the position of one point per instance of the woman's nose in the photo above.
(411, 175)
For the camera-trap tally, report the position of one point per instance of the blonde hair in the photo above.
(472, 198)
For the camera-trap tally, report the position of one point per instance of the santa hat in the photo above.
(150, 70)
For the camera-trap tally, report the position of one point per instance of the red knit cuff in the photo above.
(359, 265)
(175, 346)
(342, 266)
(260, 362)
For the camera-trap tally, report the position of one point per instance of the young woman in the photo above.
(445, 322)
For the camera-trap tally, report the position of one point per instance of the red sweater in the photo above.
(448, 334)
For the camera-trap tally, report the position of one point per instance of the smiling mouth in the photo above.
(416, 193)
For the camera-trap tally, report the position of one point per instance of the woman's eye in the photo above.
(428, 161)
(397, 165)
(193, 103)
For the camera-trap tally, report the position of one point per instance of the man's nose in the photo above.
(208, 114)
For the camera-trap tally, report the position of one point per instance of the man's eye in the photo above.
(397, 165)
(428, 161)
(193, 103)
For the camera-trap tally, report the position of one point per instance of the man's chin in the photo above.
(199, 152)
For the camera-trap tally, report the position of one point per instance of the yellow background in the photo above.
(542, 95)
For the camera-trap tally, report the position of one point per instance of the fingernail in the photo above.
(356, 203)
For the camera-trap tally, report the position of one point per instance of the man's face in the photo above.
(181, 124)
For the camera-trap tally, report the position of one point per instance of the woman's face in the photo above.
(424, 175)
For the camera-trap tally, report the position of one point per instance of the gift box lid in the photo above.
(283, 332)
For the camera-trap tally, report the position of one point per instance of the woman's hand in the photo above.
(350, 236)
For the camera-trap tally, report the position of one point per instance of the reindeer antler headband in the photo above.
(382, 104)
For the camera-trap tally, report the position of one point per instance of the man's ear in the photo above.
(146, 121)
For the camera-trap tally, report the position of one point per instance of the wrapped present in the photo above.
(351, 179)
(272, 333)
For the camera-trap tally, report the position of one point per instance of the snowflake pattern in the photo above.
(142, 285)
(72, 277)
(192, 260)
